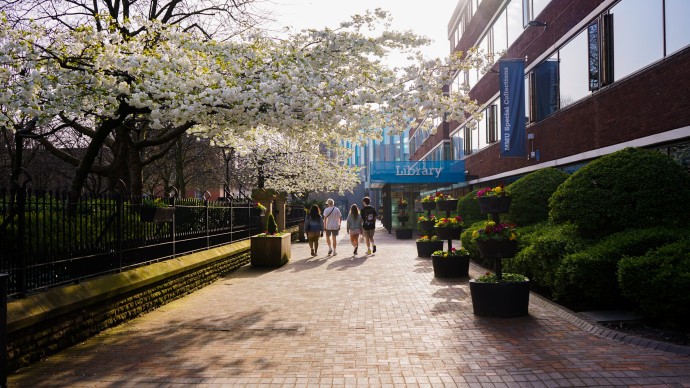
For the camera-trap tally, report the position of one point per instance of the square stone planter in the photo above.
(270, 251)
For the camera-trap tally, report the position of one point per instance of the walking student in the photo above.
(368, 223)
(332, 219)
(313, 225)
(354, 226)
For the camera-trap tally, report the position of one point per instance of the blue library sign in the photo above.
(437, 171)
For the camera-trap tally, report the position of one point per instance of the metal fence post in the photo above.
(4, 370)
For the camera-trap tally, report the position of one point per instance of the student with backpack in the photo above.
(368, 223)
(313, 225)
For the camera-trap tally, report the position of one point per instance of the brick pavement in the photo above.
(365, 320)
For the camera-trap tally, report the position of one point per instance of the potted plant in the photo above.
(445, 202)
(493, 200)
(272, 248)
(427, 245)
(156, 210)
(429, 202)
(504, 298)
(261, 209)
(448, 228)
(402, 203)
(498, 295)
(403, 217)
(426, 223)
(451, 264)
(496, 240)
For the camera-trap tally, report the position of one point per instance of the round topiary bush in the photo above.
(531, 193)
(629, 188)
(468, 208)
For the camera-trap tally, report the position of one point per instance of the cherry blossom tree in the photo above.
(116, 89)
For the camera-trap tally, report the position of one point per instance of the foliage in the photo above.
(271, 225)
(468, 243)
(449, 222)
(429, 218)
(117, 81)
(587, 278)
(259, 206)
(402, 201)
(658, 282)
(498, 191)
(469, 208)
(530, 195)
(442, 197)
(630, 187)
(426, 238)
(541, 252)
(506, 278)
(430, 198)
(155, 202)
(496, 232)
(462, 252)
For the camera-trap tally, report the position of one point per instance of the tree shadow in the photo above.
(423, 265)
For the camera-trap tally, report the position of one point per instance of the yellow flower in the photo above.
(512, 236)
(498, 189)
(475, 234)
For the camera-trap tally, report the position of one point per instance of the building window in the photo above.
(491, 123)
(677, 13)
(468, 140)
(641, 22)
(531, 9)
(572, 61)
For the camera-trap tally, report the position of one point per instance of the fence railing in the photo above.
(48, 239)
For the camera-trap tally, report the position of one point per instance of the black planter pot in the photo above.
(156, 214)
(403, 234)
(426, 226)
(448, 205)
(429, 205)
(450, 267)
(425, 249)
(493, 249)
(503, 300)
(403, 218)
(493, 205)
(448, 233)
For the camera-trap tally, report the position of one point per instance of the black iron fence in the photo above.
(48, 239)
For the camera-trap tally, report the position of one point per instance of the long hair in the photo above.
(354, 210)
(315, 213)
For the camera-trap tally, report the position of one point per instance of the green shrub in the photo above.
(467, 243)
(658, 282)
(468, 208)
(271, 225)
(542, 248)
(531, 193)
(629, 188)
(588, 279)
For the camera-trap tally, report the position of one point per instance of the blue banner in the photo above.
(546, 89)
(437, 171)
(512, 96)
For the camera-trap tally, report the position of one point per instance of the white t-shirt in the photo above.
(332, 218)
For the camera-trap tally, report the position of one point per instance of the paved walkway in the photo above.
(365, 320)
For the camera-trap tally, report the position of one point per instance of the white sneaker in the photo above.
(334, 252)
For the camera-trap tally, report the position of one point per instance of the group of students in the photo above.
(359, 222)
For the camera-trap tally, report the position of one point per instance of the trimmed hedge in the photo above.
(629, 188)
(543, 247)
(588, 279)
(531, 193)
(658, 282)
(468, 208)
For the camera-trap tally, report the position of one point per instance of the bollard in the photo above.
(3, 331)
